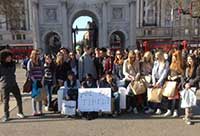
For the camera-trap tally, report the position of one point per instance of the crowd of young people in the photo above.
(91, 68)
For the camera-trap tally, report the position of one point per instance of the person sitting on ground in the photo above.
(108, 82)
(89, 82)
(70, 90)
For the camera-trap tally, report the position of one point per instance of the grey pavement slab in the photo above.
(128, 124)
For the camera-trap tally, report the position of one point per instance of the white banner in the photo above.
(94, 99)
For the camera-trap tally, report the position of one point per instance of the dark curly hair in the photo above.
(4, 54)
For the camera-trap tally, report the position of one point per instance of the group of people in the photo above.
(104, 68)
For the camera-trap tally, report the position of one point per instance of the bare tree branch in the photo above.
(13, 11)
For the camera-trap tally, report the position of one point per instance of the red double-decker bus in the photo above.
(20, 51)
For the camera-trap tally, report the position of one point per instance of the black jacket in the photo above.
(194, 79)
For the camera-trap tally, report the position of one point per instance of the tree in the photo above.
(13, 12)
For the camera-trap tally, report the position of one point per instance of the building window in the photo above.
(150, 13)
(13, 37)
(1, 37)
(186, 31)
(19, 37)
(24, 37)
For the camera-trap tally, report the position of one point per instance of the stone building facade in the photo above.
(54, 18)
(160, 22)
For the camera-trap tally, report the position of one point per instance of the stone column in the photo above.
(65, 41)
(132, 24)
(158, 13)
(27, 10)
(35, 21)
(141, 13)
(105, 24)
(138, 14)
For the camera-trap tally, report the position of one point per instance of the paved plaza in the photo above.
(125, 125)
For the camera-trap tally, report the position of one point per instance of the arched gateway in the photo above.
(57, 17)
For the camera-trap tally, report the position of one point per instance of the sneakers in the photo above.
(175, 114)
(5, 119)
(34, 114)
(115, 114)
(158, 112)
(46, 108)
(20, 115)
(188, 121)
(149, 111)
(135, 111)
(168, 113)
(40, 113)
(130, 109)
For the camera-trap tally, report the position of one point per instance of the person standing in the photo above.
(49, 78)
(118, 66)
(189, 81)
(86, 64)
(159, 74)
(176, 71)
(8, 83)
(35, 72)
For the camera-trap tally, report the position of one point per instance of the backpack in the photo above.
(25, 63)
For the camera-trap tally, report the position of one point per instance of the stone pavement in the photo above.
(128, 125)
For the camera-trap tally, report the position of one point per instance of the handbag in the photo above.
(169, 88)
(27, 87)
(188, 98)
(154, 94)
(138, 87)
(68, 108)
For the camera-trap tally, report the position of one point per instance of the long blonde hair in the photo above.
(59, 58)
(34, 56)
(131, 54)
(160, 56)
(148, 57)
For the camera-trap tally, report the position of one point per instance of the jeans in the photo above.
(48, 88)
(116, 97)
(176, 104)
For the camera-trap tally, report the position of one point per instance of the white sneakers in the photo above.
(46, 108)
(168, 113)
(188, 121)
(20, 115)
(158, 112)
(175, 114)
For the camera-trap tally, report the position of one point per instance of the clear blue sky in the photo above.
(81, 22)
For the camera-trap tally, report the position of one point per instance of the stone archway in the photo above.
(85, 12)
(52, 42)
(117, 40)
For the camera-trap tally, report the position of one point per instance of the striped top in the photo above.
(35, 72)
(48, 74)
